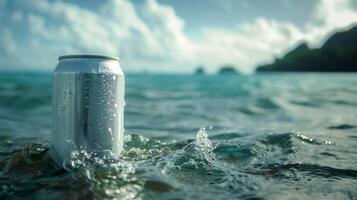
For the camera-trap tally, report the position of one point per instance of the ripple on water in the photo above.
(342, 127)
(229, 165)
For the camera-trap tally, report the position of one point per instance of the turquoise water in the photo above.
(267, 136)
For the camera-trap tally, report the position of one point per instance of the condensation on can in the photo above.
(87, 106)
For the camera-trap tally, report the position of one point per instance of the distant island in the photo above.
(227, 69)
(338, 54)
(200, 69)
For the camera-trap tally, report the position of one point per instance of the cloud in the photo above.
(7, 43)
(167, 29)
(262, 39)
(329, 16)
(16, 17)
(256, 41)
(57, 28)
(151, 36)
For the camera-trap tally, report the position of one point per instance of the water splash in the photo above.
(202, 142)
(305, 139)
(82, 158)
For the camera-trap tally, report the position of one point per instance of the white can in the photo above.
(87, 106)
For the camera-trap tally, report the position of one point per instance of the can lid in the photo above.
(88, 56)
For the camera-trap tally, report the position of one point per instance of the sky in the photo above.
(166, 36)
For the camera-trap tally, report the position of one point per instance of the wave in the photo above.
(230, 161)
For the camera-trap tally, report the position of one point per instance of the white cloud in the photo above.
(261, 40)
(256, 41)
(330, 15)
(152, 37)
(7, 43)
(16, 17)
(167, 28)
(336, 13)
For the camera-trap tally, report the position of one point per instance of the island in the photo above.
(227, 69)
(337, 54)
(200, 69)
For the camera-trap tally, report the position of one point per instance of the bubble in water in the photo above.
(67, 165)
(111, 133)
(70, 94)
(70, 141)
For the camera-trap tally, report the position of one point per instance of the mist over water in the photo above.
(267, 136)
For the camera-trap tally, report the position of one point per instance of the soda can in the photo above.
(87, 106)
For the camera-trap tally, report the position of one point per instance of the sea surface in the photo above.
(264, 136)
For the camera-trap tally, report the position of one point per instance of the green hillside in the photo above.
(338, 54)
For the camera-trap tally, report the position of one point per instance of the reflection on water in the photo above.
(266, 136)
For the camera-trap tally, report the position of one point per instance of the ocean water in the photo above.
(265, 136)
